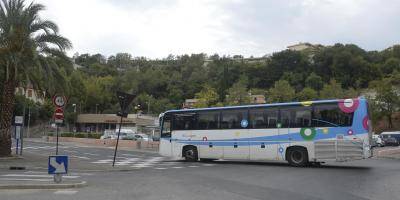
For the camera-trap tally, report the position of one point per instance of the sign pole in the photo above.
(16, 148)
(124, 101)
(116, 146)
(57, 139)
(22, 141)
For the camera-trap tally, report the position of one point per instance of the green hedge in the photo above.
(77, 135)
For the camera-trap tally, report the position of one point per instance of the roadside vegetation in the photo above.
(32, 53)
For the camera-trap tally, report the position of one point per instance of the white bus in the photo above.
(298, 132)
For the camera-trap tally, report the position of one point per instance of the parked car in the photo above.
(156, 138)
(377, 141)
(107, 135)
(391, 141)
(141, 137)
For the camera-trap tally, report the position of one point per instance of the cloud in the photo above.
(156, 28)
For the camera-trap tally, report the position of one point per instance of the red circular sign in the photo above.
(59, 101)
(59, 113)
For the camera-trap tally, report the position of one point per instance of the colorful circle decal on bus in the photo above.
(366, 123)
(244, 123)
(205, 139)
(306, 103)
(350, 132)
(280, 150)
(325, 130)
(308, 133)
(348, 105)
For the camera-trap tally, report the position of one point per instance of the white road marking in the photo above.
(35, 172)
(71, 151)
(81, 157)
(208, 165)
(177, 167)
(25, 179)
(124, 154)
(160, 168)
(35, 175)
(193, 166)
(67, 192)
(91, 154)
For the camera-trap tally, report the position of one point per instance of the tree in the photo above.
(314, 81)
(391, 65)
(387, 99)
(307, 94)
(28, 49)
(333, 90)
(281, 92)
(206, 97)
(238, 94)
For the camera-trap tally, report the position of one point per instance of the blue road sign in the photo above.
(58, 165)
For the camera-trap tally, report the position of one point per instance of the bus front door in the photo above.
(165, 148)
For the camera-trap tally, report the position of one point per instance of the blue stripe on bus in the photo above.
(275, 139)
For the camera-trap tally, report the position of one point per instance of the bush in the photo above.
(76, 135)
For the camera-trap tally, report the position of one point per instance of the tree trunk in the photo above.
(6, 117)
(390, 121)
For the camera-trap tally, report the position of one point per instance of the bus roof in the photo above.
(254, 106)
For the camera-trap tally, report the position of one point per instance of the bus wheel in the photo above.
(297, 157)
(190, 154)
(207, 159)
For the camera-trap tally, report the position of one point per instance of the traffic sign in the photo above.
(59, 113)
(59, 100)
(19, 120)
(124, 100)
(58, 165)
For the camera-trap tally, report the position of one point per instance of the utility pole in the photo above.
(97, 125)
(29, 121)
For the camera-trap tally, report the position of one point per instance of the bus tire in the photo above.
(207, 159)
(297, 156)
(190, 153)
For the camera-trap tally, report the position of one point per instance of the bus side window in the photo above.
(272, 117)
(231, 119)
(184, 121)
(301, 117)
(330, 115)
(285, 118)
(257, 118)
(208, 120)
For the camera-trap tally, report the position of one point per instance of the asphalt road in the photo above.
(153, 177)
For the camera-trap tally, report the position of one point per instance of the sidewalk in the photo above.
(387, 152)
(30, 172)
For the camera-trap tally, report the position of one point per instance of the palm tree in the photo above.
(29, 50)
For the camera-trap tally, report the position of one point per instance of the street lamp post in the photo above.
(29, 120)
(97, 124)
(74, 129)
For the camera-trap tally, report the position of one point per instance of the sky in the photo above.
(157, 28)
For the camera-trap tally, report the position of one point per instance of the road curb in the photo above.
(11, 158)
(44, 186)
